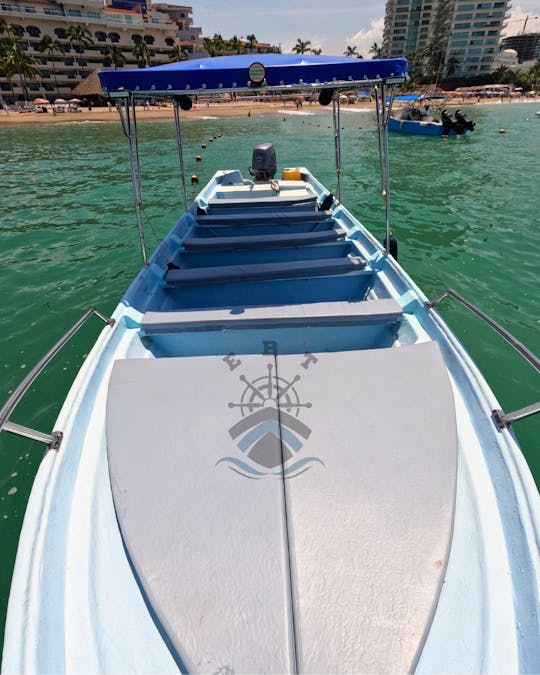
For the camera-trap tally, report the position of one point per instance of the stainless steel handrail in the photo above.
(54, 439)
(501, 419)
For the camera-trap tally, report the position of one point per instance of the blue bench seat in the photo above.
(192, 242)
(281, 216)
(363, 312)
(264, 271)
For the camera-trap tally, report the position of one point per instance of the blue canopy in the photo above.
(246, 71)
(408, 97)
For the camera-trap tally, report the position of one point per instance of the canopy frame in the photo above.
(125, 101)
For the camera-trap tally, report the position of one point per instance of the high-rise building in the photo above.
(119, 24)
(454, 37)
(527, 46)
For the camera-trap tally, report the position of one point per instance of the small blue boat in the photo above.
(411, 123)
(277, 457)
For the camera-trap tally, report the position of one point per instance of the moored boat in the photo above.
(277, 457)
(413, 121)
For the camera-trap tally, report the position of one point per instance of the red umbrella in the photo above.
(40, 101)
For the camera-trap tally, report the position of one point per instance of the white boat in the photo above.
(277, 456)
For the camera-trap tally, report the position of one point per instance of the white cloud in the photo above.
(366, 37)
(516, 22)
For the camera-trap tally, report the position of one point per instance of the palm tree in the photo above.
(532, 76)
(503, 75)
(376, 51)
(434, 60)
(178, 54)
(452, 66)
(15, 29)
(208, 45)
(301, 47)
(235, 45)
(413, 62)
(219, 42)
(214, 45)
(351, 51)
(251, 40)
(113, 54)
(52, 47)
(316, 51)
(141, 53)
(80, 37)
(5, 47)
(18, 62)
(4, 27)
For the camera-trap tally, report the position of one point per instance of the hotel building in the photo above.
(122, 23)
(467, 31)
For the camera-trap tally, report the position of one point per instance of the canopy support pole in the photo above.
(383, 113)
(126, 108)
(180, 150)
(337, 140)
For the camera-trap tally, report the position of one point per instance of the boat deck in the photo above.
(257, 574)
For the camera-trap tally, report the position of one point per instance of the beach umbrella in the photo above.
(40, 101)
(60, 100)
(75, 100)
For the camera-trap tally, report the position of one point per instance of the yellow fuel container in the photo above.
(291, 174)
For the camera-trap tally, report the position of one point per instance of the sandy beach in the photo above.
(210, 111)
(156, 113)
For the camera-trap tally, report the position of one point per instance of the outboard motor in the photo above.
(447, 122)
(462, 122)
(263, 162)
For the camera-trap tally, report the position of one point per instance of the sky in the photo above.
(330, 26)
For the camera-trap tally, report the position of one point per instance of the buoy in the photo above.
(198, 158)
(210, 140)
(194, 179)
(203, 146)
(502, 131)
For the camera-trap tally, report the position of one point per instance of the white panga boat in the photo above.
(277, 457)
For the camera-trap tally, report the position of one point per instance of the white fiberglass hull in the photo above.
(80, 602)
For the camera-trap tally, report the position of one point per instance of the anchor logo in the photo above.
(270, 434)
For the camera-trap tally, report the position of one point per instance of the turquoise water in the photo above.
(465, 212)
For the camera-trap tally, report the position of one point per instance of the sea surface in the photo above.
(465, 211)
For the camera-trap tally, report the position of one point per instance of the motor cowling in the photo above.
(263, 162)
(462, 122)
(447, 122)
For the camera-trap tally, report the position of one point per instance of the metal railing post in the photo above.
(53, 440)
(501, 418)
